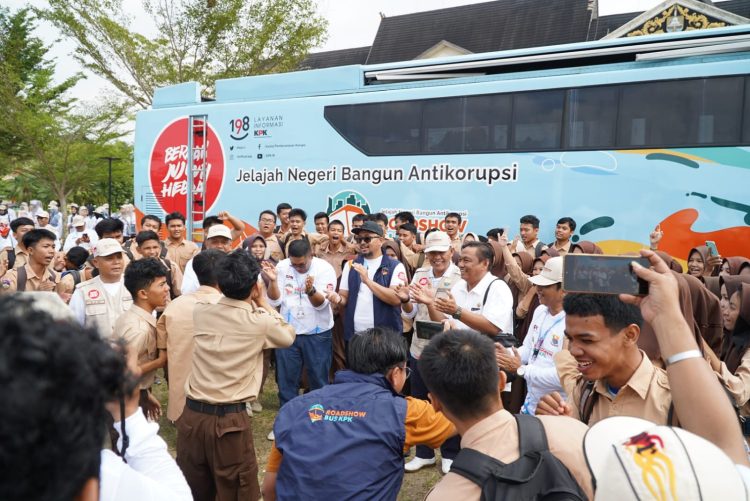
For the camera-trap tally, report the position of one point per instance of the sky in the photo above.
(352, 23)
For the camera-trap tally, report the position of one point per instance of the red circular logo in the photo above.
(93, 294)
(168, 171)
(423, 281)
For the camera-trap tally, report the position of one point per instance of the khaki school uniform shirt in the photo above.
(738, 384)
(22, 257)
(273, 249)
(497, 436)
(457, 242)
(646, 394)
(562, 250)
(230, 337)
(138, 328)
(335, 258)
(9, 281)
(174, 333)
(181, 252)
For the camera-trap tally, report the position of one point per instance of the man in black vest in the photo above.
(370, 292)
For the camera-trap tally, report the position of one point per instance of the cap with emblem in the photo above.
(219, 230)
(79, 221)
(106, 247)
(437, 241)
(631, 458)
(552, 273)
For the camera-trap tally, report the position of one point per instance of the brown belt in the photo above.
(214, 409)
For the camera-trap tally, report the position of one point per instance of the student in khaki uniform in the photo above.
(35, 275)
(149, 246)
(75, 261)
(146, 280)
(266, 225)
(179, 249)
(563, 231)
(98, 302)
(452, 224)
(297, 220)
(336, 249)
(214, 437)
(15, 258)
(175, 329)
(460, 371)
(602, 370)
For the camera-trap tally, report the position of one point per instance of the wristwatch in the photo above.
(312, 291)
(521, 370)
(457, 314)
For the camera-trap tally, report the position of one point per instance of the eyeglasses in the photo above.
(269, 220)
(366, 240)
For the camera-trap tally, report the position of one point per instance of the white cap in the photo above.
(42, 213)
(631, 458)
(552, 273)
(219, 230)
(78, 221)
(437, 241)
(106, 247)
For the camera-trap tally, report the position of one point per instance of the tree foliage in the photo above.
(54, 144)
(196, 40)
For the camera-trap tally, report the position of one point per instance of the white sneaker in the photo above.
(249, 410)
(417, 463)
(445, 464)
(271, 436)
(256, 407)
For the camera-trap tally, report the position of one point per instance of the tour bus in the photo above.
(621, 135)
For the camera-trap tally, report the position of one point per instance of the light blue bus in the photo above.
(620, 134)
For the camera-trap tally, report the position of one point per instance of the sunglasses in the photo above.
(366, 240)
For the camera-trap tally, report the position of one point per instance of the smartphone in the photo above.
(712, 248)
(597, 274)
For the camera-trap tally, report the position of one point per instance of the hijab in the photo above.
(395, 247)
(549, 252)
(647, 340)
(740, 341)
(527, 261)
(736, 263)
(732, 284)
(586, 247)
(713, 285)
(498, 264)
(671, 262)
(702, 250)
(706, 313)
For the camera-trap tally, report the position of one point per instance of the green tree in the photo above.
(198, 40)
(57, 143)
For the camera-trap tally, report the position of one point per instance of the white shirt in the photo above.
(189, 279)
(296, 307)
(57, 235)
(546, 333)
(499, 306)
(364, 315)
(78, 305)
(70, 241)
(151, 474)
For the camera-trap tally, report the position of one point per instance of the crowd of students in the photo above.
(380, 343)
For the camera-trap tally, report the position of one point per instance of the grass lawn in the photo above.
(415, 485)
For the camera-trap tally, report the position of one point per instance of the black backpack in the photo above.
(536, 475)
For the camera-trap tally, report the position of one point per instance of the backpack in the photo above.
(536, 475)
(22, 278)
(76, 276)
(11, 258)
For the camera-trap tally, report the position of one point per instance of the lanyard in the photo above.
(543, 336)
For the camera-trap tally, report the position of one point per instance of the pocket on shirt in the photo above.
(96, 309)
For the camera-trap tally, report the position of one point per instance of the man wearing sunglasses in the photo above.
(369, 291)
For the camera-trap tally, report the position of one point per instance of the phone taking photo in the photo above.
(712, 248)
(597, 274)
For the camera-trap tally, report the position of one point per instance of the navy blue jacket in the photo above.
(342, 442)
(385, 315)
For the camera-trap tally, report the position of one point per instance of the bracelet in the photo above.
(457, 314)
(683, 355)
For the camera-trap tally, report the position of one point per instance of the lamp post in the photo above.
(109, 199)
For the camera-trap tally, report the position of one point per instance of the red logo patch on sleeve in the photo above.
(402, 276)
(423, 281)
(94, 294)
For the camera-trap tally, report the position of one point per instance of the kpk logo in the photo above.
(168, 167)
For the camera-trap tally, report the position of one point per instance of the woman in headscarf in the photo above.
(706, 313)
(702, 263)
(585, 247)
(735, 265)
(728, 286)
(470, 237)
(735, 370)
(255, 245)
(549, 252)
